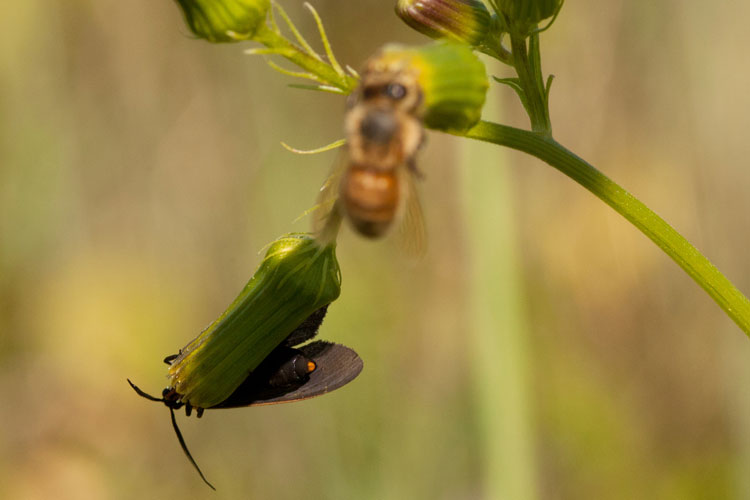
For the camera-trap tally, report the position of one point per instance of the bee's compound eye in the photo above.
(395, 91)
(370, 92)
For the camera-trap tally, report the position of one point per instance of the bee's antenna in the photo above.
(185, 449)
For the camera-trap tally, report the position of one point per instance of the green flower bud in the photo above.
(451, 77)
(525, 13)
(213, 19)
(297, 277)
(466, 21)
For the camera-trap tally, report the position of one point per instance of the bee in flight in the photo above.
(373, 183)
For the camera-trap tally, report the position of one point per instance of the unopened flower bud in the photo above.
(525, 14)
(296, 278)
(218, 20)
(466, 21)
(452, 79)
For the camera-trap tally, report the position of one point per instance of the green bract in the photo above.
(214, 19)
(466, 21)
(296, 278)
(523, 15)
(451, 77)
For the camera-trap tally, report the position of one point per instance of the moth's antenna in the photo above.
(176, 429)
(185, 449)
(144, 394)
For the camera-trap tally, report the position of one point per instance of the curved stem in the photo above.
(734, 303)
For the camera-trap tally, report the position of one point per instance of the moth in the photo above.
(291, 372)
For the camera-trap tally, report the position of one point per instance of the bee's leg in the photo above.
(414, 169)
(422, 140)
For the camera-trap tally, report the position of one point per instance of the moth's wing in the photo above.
(307, 329)
(336, 366)
(326, 202)
(411, 235)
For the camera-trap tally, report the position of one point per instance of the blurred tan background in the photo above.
(543, 348)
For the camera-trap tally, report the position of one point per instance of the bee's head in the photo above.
(378, 125)
(391, 90)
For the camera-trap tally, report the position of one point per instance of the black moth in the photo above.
(287, 374)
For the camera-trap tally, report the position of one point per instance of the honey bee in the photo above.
(373, 185)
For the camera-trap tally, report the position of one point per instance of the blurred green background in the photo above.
(543, 348)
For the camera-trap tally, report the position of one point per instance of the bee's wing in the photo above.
(411, 233)
(336, 366)
(325, 204)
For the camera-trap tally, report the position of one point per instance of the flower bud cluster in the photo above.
(524, 15)
(469, 21)
(465, 21)
(224, 20)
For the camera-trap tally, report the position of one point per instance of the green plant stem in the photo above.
(528, 67)
(542, 146)
(493, 47)
(324, 72)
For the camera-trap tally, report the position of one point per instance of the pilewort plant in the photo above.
(251, 354)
